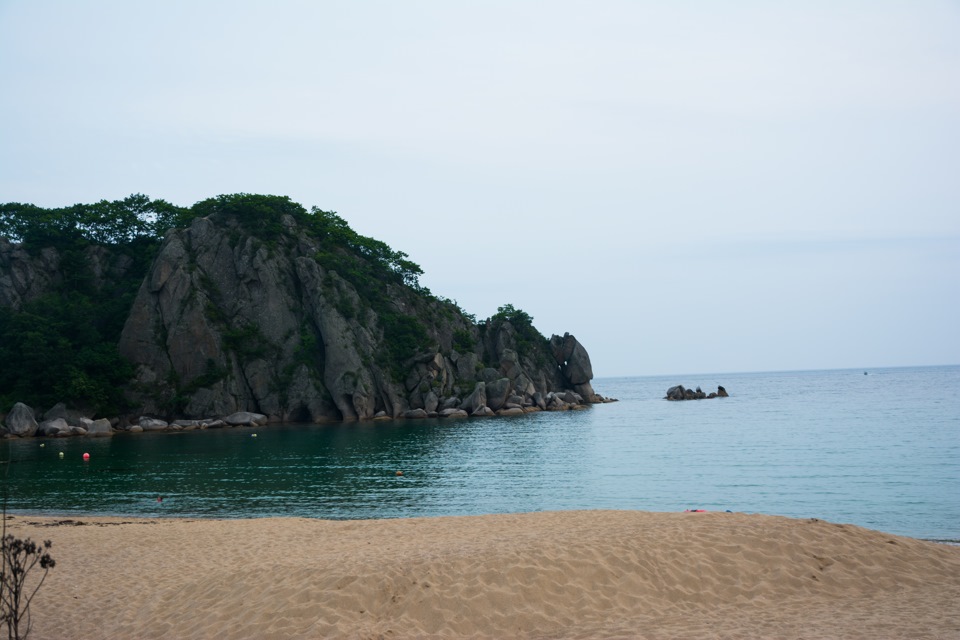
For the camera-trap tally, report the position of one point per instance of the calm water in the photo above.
(881, 450)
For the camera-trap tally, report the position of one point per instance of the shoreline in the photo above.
(68, 518)
(565, 574)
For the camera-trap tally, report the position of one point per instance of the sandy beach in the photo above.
(584, 574)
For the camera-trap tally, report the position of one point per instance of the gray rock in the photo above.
(135, 429)
(516, 411)
(489, 375)
(497, 393)
(52, 428)
(476, 399)
(483, 412)
(245, 419)
(453, 413)
(100, 427)
(431, 402)
(539, 401)
(414, 414)
(152, 424)
(72, 417)
(20, 421)
(676, 392)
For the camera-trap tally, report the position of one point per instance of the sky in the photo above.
(687, 187)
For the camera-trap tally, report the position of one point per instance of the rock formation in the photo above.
(288, 326)
(225, 322)
(679, 392)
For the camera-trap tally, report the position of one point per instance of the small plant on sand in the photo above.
(19, 558)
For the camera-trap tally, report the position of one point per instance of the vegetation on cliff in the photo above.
(244, 301)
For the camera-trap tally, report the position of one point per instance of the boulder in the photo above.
(20, 421)
(99, 427)
(676, 392)
(497, 393)
(152, 424)
(476, 399)
(539, 401)
(516, 411)
(135, 429)
(245, 419)
(414, 414)
(73, 418)
(453, 413)
(52, 428)
(722, 393)
(430, 401)
(483, 412)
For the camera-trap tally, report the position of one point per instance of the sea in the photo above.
(878, 448)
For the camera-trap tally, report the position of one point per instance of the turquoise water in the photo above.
(879, 450)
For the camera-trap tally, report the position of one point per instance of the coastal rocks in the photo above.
(152, 424)
(245, 419)
(51, 428)
(290, 328)
(679, 392)
(99, 427)
(20, 421)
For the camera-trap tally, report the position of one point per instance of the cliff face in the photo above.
(225, 321)
(26, 276)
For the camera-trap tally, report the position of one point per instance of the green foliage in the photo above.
(109, 223)
(260, 215)
(530, 343)
(61, 348)
(404, 336)
(358, 258)
(463, 341)
(517, 317)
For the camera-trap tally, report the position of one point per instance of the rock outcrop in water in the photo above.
(679, 392)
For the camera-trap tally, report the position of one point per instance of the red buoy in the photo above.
(86, 456)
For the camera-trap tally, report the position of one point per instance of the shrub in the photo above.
(20, 557)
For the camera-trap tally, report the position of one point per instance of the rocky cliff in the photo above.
(254, 305)
(226, 322)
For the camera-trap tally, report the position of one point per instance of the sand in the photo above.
(584, 574)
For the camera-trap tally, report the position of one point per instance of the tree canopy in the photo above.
(104, 222)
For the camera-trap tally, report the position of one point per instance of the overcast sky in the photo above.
(688, 187)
